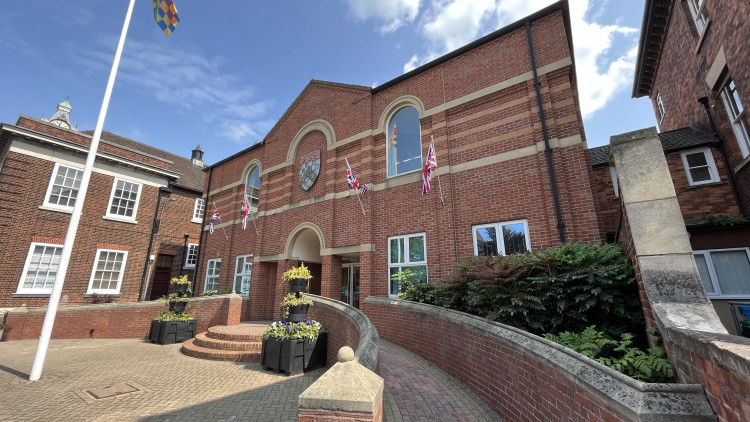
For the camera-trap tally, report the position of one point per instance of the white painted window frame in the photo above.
(199, 209)
(710, 164)
(660, 107)
(109, 215)
(499, 230)
(698, 12)
(389, 132)
(192, 249)
(408, 263)
(116, 290)
(712, 272)
(213, 274)
(32, 290)
(736, 115)
(240, 273)
(51, 185)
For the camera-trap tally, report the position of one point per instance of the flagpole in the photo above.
(222, 227)
(356, 191)
(75, 217)
(440, 185)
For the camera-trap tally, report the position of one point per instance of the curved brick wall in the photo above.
(347, 326)
(525, 377)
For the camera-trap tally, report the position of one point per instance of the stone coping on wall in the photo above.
(638, 400)
(162, 305)
(369, 341)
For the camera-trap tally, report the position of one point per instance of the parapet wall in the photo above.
(673, 297)
(116, 320)
(525, 377)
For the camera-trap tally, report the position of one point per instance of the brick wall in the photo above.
(495, 136)
(116, 320)
(524, 377)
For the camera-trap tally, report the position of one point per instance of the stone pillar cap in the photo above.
(347, 386)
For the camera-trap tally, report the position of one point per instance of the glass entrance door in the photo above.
(350, 284)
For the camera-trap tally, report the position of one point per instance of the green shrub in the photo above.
(649, 366)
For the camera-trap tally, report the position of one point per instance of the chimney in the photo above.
(197, 156)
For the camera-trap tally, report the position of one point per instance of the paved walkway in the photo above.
(158, 383)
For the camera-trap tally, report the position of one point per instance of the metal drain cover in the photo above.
(111, 390)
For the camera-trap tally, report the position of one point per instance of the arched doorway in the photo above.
(304, 246)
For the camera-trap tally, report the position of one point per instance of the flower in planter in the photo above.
(173, 316)
(181, 284)
(284, 330)
(293, 300)
(296, 272)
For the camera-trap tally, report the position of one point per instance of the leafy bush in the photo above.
(566, 288)
(649, 366)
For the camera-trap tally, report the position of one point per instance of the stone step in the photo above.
(203, 340)
(191, 349)
(247, 332)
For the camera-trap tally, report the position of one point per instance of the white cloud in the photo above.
(601, 72)
(194, 83)
(395, 13)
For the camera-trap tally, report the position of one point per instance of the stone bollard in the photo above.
(347, 392)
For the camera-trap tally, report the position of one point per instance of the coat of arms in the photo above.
(309, 168)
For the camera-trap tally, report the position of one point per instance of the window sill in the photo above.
(119, 220)
(742, 164)
(89, 295)
(703, 36)
(723, 182)
(53, 209)
(15, 295)
(197, 220)
(189, 267)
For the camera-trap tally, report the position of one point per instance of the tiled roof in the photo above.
(674, 140)
(191, 176)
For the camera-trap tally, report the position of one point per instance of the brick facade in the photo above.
(31, 148)
(478, 104)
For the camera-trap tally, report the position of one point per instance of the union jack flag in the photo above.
(363, 189)
(350, 179)
(214, 217)
(244, 210)
(429, 164)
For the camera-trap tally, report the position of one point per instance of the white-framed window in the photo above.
(700, 166)
(736, 114)
(40, 269)
(252, 188)
(62, 191)
(514, 239)
(725, 272)
(191, 257)
(198, 210)
(213, 268)
(660, 107)
(109, 266)
(242, 273)
(123, 202)
(699, 14)
(404, 142)
(407, 252)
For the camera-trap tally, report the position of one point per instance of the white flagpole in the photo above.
(356, 190)
(75, 218)
(442, 198)
(222, 227)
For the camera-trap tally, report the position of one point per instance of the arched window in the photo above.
(404, 142)
(252, 188)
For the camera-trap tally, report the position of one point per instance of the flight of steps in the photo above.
(235, 343)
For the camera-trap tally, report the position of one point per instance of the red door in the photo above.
(162, 275)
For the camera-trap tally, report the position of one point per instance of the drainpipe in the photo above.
(547, 149)
(154, 229)
(184, 255)
(196, 272)
(720, 144)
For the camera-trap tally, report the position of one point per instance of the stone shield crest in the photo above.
(309, 168)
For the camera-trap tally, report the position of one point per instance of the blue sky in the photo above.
(232, 68)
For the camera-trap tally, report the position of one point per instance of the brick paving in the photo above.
(417, 390)
(174, 387)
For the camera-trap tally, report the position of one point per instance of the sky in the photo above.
(232, 68)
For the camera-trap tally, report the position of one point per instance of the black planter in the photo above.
(745, 331)
(297, 313)
(170, 332)
(181, 289)
(298, 285)
(178, 307)
(293, 356)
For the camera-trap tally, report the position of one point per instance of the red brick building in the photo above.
(142, 212)
(694, 65)
(512, 176)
